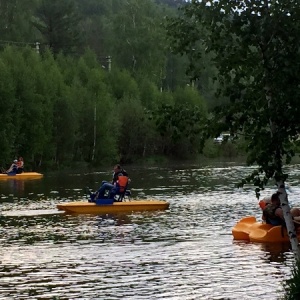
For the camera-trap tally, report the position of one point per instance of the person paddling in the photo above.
(273, 213)
(13, 168)
(116, 185)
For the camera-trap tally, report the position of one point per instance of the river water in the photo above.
(185, 252)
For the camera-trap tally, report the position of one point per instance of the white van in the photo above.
(222, 137)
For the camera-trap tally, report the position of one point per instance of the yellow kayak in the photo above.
(251, 230)
(24, 175)
(82, 207)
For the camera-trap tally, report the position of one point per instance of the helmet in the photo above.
(15, 160)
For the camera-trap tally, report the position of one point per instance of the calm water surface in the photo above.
(185, 252)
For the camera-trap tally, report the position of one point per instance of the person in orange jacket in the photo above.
(20, 164)
(117, 185)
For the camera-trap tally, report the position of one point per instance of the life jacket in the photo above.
(122, 183)
(117, 174)
(269, 214)
(262, 204)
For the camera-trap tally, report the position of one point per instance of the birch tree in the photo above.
(255, 46)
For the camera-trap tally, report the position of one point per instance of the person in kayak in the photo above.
(115, 186)
(264, 202)
(273, 213)
(13, 168)
(20, 164)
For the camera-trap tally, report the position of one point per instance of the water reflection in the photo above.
(17, 185)
(113, 219)
(276, 252)
(186, 252)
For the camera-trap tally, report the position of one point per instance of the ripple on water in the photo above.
(185, 252)
(160, 270)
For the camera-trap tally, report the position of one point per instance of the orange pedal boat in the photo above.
(24, 175)
(251, 230)
(82, 207)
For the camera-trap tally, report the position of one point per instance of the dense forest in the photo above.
(96, 81)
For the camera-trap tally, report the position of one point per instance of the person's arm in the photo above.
(10, 168)
(279, 213)
(264, 217)
(115, 178)
(296, 219)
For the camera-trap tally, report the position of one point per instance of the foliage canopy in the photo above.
(255, 48)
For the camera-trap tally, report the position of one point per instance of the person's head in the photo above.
(20, 158)
(275, 198)
(117, 168)
(15, 161)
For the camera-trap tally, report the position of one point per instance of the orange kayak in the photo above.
(251, 230)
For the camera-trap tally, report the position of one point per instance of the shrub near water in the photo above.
(226, 149)
(292, 285)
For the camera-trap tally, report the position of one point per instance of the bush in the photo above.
(224, 149)
(292, 286)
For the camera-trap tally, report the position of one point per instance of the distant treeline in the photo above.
(95, 81)
(64, 109)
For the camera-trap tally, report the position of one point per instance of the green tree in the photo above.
(58, 22)
(174, 3)
(181, 123)
(133, 133)
(96, 24)
(15, 25)
(175, 74)
(97, 126)
(149, 93)
(59, 112)
(32, 109)
(255, 48)
(7, 109)
(122, 84)
(36, 107)
(139, 39)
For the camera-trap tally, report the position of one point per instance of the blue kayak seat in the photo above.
(12, 173)
(104, 201)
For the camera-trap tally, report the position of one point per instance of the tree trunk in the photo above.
(288, 219)
(95, 132)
